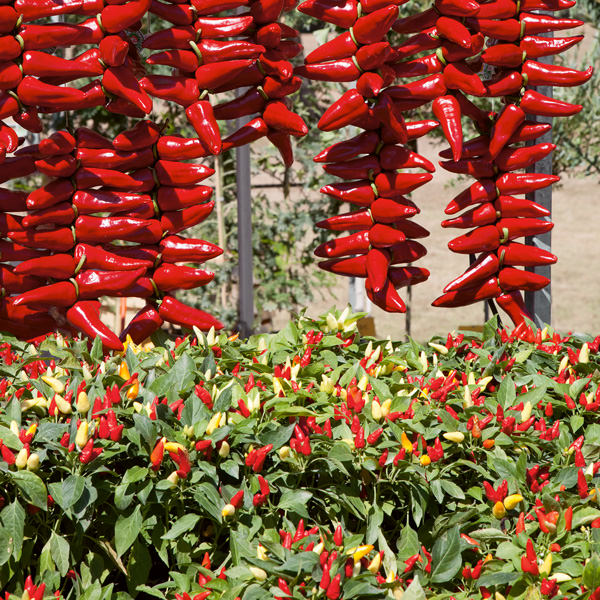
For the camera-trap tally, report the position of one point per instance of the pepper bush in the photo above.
(311, 463)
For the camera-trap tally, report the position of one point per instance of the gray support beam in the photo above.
(539, 304)
(244, 211)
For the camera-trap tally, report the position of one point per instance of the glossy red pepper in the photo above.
(145, 322)
(176, 221)
(178, 313)
(200, 115)
(85, 317)
(94, 230)
(16, 280)
(169, 277)
(59, 240)
(96, 257)
(447, 111)
(246, 134)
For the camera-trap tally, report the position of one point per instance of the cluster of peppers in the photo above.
(31, 80)
(369, 163)
(105, 224)
(457, 31)
(210, 58)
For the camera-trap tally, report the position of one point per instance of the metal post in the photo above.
(244, 207)
(539, 304)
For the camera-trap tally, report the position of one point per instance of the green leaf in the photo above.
(295, 501)
(60, 550)
(97, 352)
(32, 487)
(13, 519)
(180, 526)
(534, 395)
(408, 544)
(591, 573)
(94, 592)
(10, 439)
(46, 563)
(155, 593)
(276, 434)
(138, 567)
(68, 492)
(135, 474)
(223, 402)
(452, 489)
(577, 387)
(6, 545)
(127, 530)
(179, 378)
(208, 498)
(498, 579)
(446, 559)
(414, 591)
(506, 392)
(146, 429)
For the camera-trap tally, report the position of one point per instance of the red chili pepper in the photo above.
(95, 257)
(582, 486)
(94, 230)
(568, 518)
(535, 103)
(60, 240)
(200, 115)
(333, 589)
(145, 322)
(176, 312)
(142, 135)
(343, 15)
(176, 221)
(172, 277)
(84, 316)
(447, 111)
(115, 18)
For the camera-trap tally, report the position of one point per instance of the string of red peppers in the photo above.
(457, 30)
(369, 163)
(145, 200)
(70, 255)
(208, 63)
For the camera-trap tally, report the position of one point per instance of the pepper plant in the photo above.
(307, 463)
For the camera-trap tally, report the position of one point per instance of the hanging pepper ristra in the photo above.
(370, 163)
(205, 64)
(492, 158)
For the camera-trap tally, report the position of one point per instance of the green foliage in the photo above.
(265, 467)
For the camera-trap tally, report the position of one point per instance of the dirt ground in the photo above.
(575, 277)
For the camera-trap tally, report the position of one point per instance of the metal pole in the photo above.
(244, 207)
(539, 304)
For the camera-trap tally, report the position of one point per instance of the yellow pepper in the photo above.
(359, 551)
(511, 501)
(498, 510)
(375, 564)
(406, 443)
(81, 439)
(82, 404)
(174, 446)
(63, 406)
(133, 390)
(57, 385)
(546, 565)
(33, 462)
(454, 436)
(124, 371)
(258, 573)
